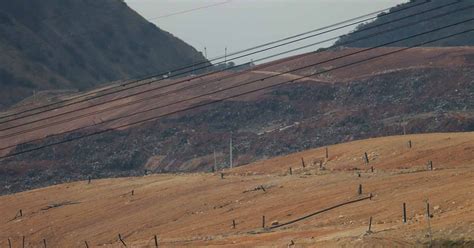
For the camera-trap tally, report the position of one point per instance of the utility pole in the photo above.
(230, 152)
(225, 57)
(215, 160)
(194, 58)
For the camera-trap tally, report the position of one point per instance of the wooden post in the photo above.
(89, 180)
(358, 174)
(366, 157)
(302, 162)
(409, 144)
(430, 165)
(44, 243)
(133, 192)
(23, 242)
(233, 224)
(370, 225)
(291, 171)
(121, 240)
(372, 169)
(263, 221)
(222, 175)
(428, 214)
(320, 165)
(404, 213)
(87, 245)
(360, 189)
(327, 152)
(9, 243)
(156, 241)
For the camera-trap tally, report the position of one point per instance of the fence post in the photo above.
(121, 240)
(409, 144)
(372, 169)
(302, 162)
(44, 243)
(291, 171)
(89, 180)
(156, 241)
(133, 192)
(23, 242)
(327, 152)
(428, 209)
(404, 213)
(233, 224)
(263, 221)
(87, 245)
(360, 189)
(370, 225)
(222, 175)
(430, 165)
(9, 243)
(366, 157)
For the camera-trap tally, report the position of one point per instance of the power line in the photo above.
(212, 81)
(95, 96)
(263, 88)
(233, 75)
(190, 10)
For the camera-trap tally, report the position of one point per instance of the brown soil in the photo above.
(197, 209)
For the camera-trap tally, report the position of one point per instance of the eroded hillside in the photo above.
(196, 210)
(423, 90)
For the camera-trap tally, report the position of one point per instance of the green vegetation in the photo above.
(461, 40)
(80, 44)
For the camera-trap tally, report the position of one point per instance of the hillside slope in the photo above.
(423, 90)
(376, 27)
(197, 210)
(70, 44)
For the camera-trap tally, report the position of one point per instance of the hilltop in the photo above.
(376, 27)
(76, 45)
(197, 210)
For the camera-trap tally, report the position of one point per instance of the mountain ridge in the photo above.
(466, 12)
(67, 44)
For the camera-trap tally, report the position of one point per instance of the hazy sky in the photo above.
(239, 24)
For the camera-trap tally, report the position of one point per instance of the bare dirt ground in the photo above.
(195, 210)
(160, 96)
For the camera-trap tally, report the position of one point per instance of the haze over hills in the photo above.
(461, 40)
(70, 44)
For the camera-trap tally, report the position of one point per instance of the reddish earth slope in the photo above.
(197, 210)
(418, 58)
(420, 90)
